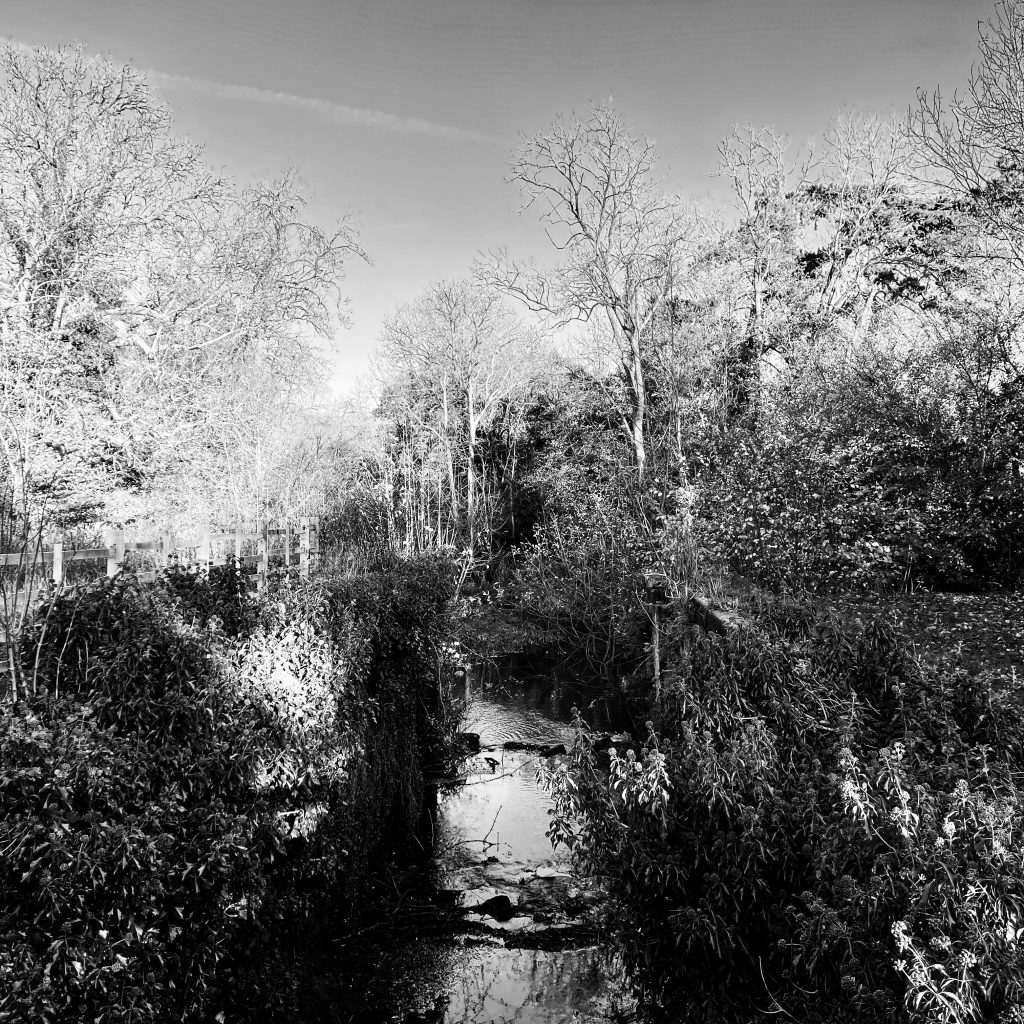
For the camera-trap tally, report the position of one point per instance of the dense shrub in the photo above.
(896, 478)
(817, 826)
(198, 770)
(791, 511)
(220, 598)
(366, 528)
(581, 579)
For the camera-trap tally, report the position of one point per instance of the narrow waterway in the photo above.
(520, 942)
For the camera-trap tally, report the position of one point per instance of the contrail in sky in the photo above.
(338, 113)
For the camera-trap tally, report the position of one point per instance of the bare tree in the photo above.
(136, 277)
(857, 203)
(976, 141)
(621, 240)
(137, 290)
(459, 356)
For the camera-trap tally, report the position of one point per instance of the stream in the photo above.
(515, 938)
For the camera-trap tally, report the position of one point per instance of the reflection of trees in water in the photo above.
(400, 974)
(530, 699)
(426, 983)
(525, 986)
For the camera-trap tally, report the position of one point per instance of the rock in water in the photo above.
(498, 907)
(520, 745)
(549, 872)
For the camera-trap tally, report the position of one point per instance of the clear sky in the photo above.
(405, 111)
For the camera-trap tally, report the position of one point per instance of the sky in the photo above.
(405, 112)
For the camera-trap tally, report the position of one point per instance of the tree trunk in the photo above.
(449, 458)
(636, 425)
(864, 320)
(744, 370)
(471, 466)
(639, 446)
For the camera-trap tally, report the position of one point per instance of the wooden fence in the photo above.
(295, 542)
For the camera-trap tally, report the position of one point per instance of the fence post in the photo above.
(115, 551)
(304, 547)
(217, 556)
(238, 547)
(314, 542)
(171, 555)
(263, 533)
(287, 546)
(58, 559)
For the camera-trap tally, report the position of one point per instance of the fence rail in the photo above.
(296, 542)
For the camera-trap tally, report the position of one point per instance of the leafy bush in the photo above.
(897, 477)
(791, 513)
(133, 827)
(818, 826)
(581, 579)
(219, 598)
(198, 769)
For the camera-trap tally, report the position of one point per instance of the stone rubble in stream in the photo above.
(524, 887)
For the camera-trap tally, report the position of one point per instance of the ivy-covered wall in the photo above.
(202, 777)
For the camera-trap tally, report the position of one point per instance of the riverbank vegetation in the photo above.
(803, 406)
(201, 782)
(818, 824)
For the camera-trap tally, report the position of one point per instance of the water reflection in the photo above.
(500, 813)
(527, 987)
(500, 810)
(490, 841)
(439, 983)
(515, 701)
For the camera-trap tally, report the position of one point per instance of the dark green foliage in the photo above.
(133, 826)
(791, 512)
(985, 630)
(574, 446)
(581, 581)
(218, 597)
(890, 489)
(817, 825)
(198, 771)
